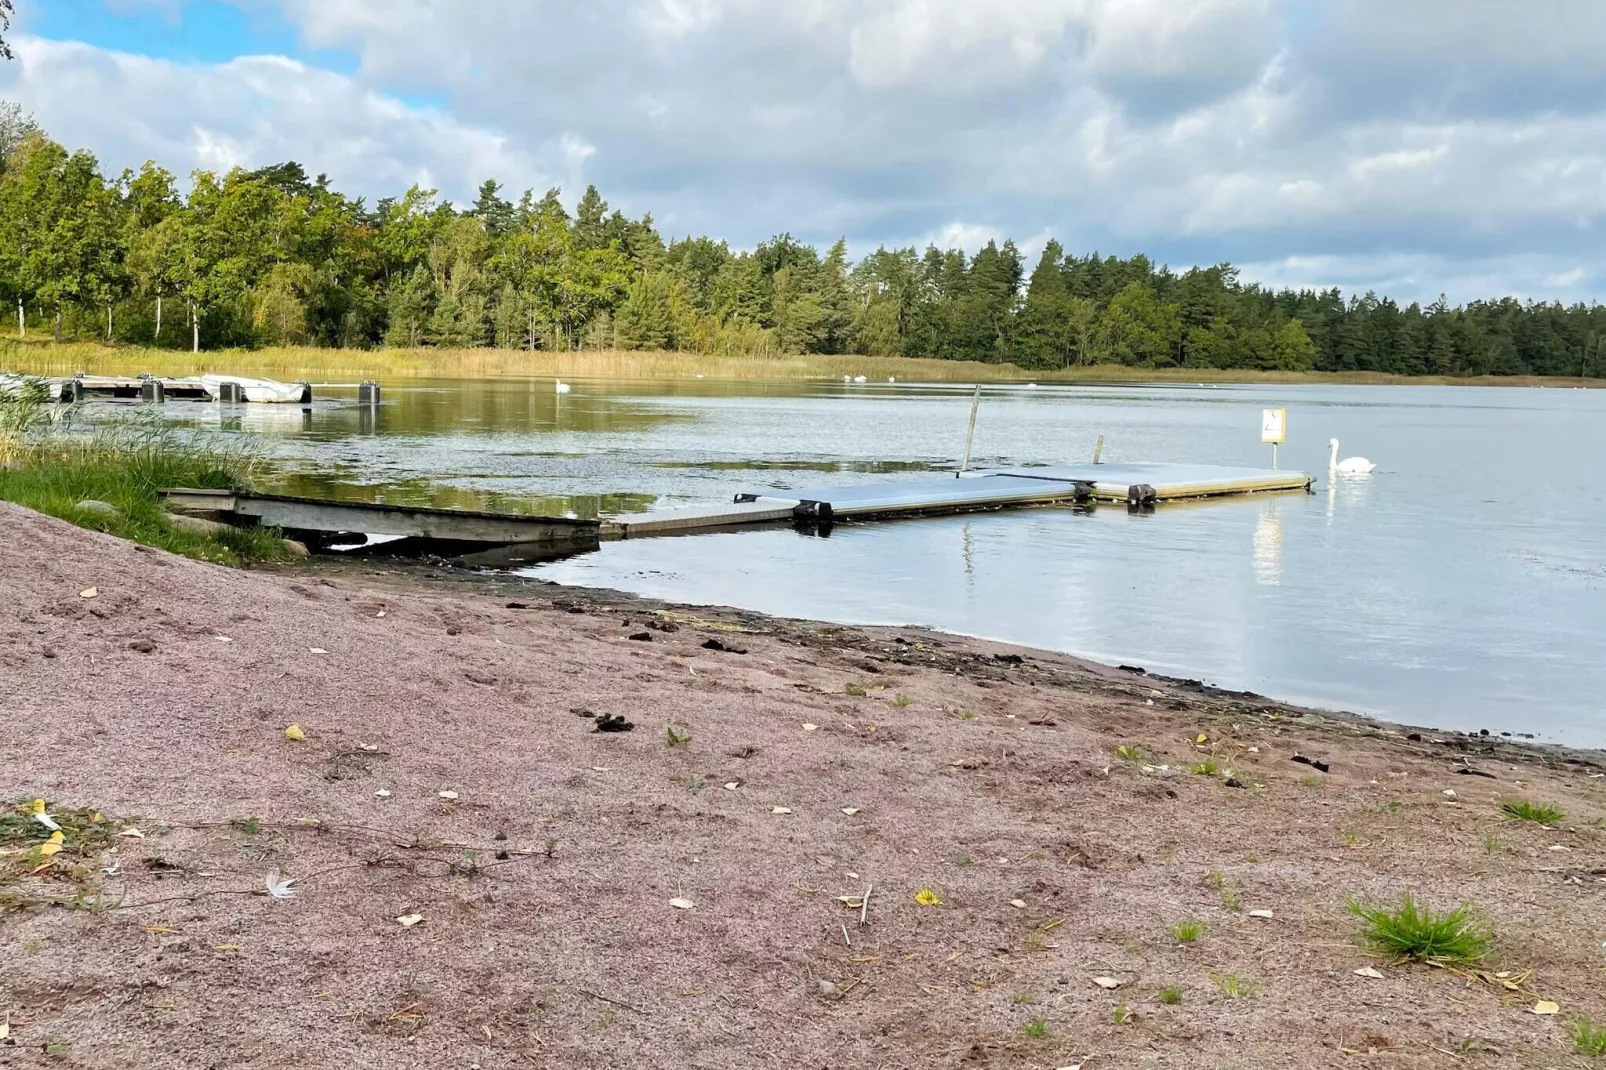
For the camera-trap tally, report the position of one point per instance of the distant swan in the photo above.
(562, 387)
(892, 378)
(1349, 466)
(860, 379)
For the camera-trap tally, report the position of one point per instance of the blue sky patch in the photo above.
(194, 31)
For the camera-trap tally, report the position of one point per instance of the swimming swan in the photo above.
(1349, 466)
(562, 387)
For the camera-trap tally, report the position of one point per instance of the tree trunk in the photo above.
(108, 321)
(195, 328)
(22, 321)
(58, 324)
(158, 319)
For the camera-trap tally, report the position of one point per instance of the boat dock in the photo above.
(156, 389)
(1139, 484)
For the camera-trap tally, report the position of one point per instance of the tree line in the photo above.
(272, 256)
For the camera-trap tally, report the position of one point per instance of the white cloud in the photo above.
(254, 111)
(1377, 140)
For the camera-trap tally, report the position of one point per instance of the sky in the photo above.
(1412, 147)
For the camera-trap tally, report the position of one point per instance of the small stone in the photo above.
(1018, 904)
(142, 646)
(780, 810)
(1367, 971)
(811, 728)
(299, 549)
(195, 525)
(407, 921)
(827, 990)
(1107, 982)
(1261, 914)
(449, 796)
(682, 904)
(382, 794)
(733, 785)
(850, 810)
(99, 508)
(1449, 793)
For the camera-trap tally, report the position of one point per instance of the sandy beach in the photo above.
(479, 876)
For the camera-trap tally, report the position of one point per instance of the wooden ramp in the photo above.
(321, 519)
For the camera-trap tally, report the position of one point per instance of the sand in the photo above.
(451, 770)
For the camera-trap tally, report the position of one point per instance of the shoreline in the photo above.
(1066, 669)
(290, 363)
(477, 874)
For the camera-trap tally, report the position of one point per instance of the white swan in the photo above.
(892, 378)
(860, 379)
(1349, 466)
(561, 387)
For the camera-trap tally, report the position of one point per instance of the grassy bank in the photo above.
(48, 466)
(348, 365)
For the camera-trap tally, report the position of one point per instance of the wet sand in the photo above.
(451, 770)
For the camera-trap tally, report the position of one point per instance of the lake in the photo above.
(1463, 585)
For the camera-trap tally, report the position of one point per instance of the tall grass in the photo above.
(348, 365)
(50, 464)
(1413, 932)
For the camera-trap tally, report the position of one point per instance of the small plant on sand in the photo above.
(1129, 752)
(1232, 986)
(1491, 844)
(55, 1047)
(1208, 767)
(1188, 931)
(1171, 995)
(1350, 838)
(1121, 1015)
(1024, 997)
(903, 700)
(248, 825)
(1034, 940)
(1539, 813)
(1589, 1037)
(964, 714)
(964, 861)
(1412, 932)
(856, 690)
(678, 737)
(1037, 1028)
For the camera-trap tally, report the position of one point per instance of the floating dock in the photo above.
(1139, 484)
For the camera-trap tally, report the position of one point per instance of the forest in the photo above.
(273, 256)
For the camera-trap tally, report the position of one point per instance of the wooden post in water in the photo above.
(1098, 449)
(975, 403)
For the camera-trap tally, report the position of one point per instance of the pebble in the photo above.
(99, 508)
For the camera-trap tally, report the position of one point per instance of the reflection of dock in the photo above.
(1139, 484)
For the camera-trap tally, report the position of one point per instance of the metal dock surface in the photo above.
(1137, 483)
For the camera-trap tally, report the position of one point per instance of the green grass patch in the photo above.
(903, 700)
(1037, 1028)
(1170, 995)
(1187, 931)
(1589, 1037)
(678, 737)
(1208, 767)
(1129, 752)
(50, 464)
(856, 690)
(1539, 813)
(1233, 986)
(1415, 933)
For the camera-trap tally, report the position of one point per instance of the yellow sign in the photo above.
(1274, 425)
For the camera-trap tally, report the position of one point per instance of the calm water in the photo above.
(1461, 586)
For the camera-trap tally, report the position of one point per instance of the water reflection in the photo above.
(1269, 548)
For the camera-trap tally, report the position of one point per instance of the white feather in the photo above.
(280, 889)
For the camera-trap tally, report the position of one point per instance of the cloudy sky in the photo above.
(1411, 146)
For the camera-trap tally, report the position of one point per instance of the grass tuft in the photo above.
(1589, 1037)
(1037, 1028)
(50, 464)
(1130, 752)
(1188, 931)
(1232, 985)
(1539, 813)
(856, 690)
(1171, 995)
(902, 701)
(1208, 767)
(1412, 932)
(678, 737)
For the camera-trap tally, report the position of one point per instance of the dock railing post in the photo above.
(975, 403)
(1098, 450)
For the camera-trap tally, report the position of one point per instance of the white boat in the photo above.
(260, 391)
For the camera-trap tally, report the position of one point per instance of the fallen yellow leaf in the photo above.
(1367, 971)
(682, 904)
(88, 592)
(294, 732)
(928, 898)
(52, 845)
(38, 806)
(1544, 1006)
(1201, 738)
(407, 921)
(1106, 982)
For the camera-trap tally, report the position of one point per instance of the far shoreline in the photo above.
(44, 357)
